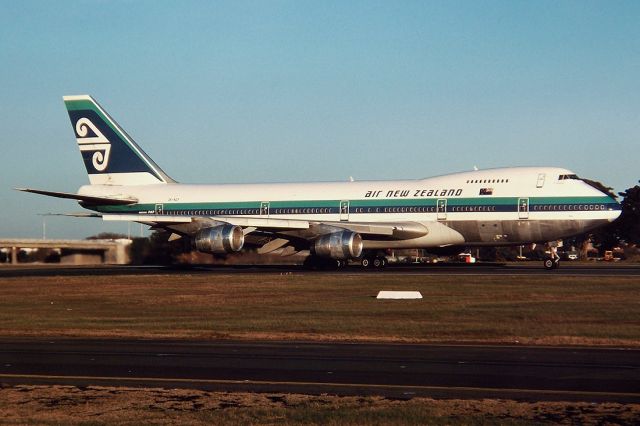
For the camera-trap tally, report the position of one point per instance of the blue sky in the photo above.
(306, 91)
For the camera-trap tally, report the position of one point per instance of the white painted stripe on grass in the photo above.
(387, 294)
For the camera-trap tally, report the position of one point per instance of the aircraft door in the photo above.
(159, 208)
(523, 208)
(344, 210)
(264, 209)
(442, 209)
(540, 182)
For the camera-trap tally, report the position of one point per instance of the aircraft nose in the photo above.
(615, 208)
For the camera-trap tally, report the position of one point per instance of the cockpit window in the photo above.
(565, 177)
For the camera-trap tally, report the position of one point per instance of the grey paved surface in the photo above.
(401, 371)
(529, 268)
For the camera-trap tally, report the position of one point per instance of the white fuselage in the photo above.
(497, 206)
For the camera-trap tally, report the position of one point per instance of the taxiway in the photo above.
(400, 371)
(482, 269)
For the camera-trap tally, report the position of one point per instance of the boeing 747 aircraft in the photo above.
(334, 221)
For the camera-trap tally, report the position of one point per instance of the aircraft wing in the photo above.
(391, 230)
(293, 235)
(189, 225)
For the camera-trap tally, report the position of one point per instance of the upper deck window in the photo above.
(491, 180)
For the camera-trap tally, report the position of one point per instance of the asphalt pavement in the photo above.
(520, 269)
(393, 370)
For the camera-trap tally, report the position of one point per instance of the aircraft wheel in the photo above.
(309, 263)
(379, 262)
(327, 264)
(322, 264)
(365, 262)
(549, 264)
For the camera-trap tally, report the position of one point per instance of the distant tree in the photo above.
(625, 228)
(157, 250)
(628, 224)
(601, 187)
(107, 236)
(602, 237)
(139, 250)
(152, 250)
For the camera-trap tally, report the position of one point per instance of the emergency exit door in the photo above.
(442, 209)
(264, 209)
(523, 208)
(344, 210)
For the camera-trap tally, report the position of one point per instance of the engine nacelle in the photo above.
(219, 239)
(341, 245)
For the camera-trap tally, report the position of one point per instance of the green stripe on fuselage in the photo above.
(569, 200)
(301, 204)
(426, 202)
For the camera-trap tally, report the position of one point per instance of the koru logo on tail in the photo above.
(91, 139)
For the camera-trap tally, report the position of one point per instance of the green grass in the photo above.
(544, 309)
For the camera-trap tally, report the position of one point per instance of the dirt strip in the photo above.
(26, 405)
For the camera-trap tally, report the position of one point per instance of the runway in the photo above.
(395, 371)
(479, 269)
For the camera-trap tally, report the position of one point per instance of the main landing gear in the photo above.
(553, 261)
(321, 263)
(377, 262)
(368, 261)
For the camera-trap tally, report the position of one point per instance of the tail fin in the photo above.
(110, 155)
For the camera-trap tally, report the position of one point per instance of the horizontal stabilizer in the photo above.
(80, 214)
(96, 200)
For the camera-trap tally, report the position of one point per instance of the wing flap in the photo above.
(394, 230)
(273, 245)
(147, 218)
(258, 223)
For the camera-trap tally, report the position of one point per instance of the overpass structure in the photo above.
(75, 252)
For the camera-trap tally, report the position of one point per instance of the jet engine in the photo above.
(219, 239)
(341, 245)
